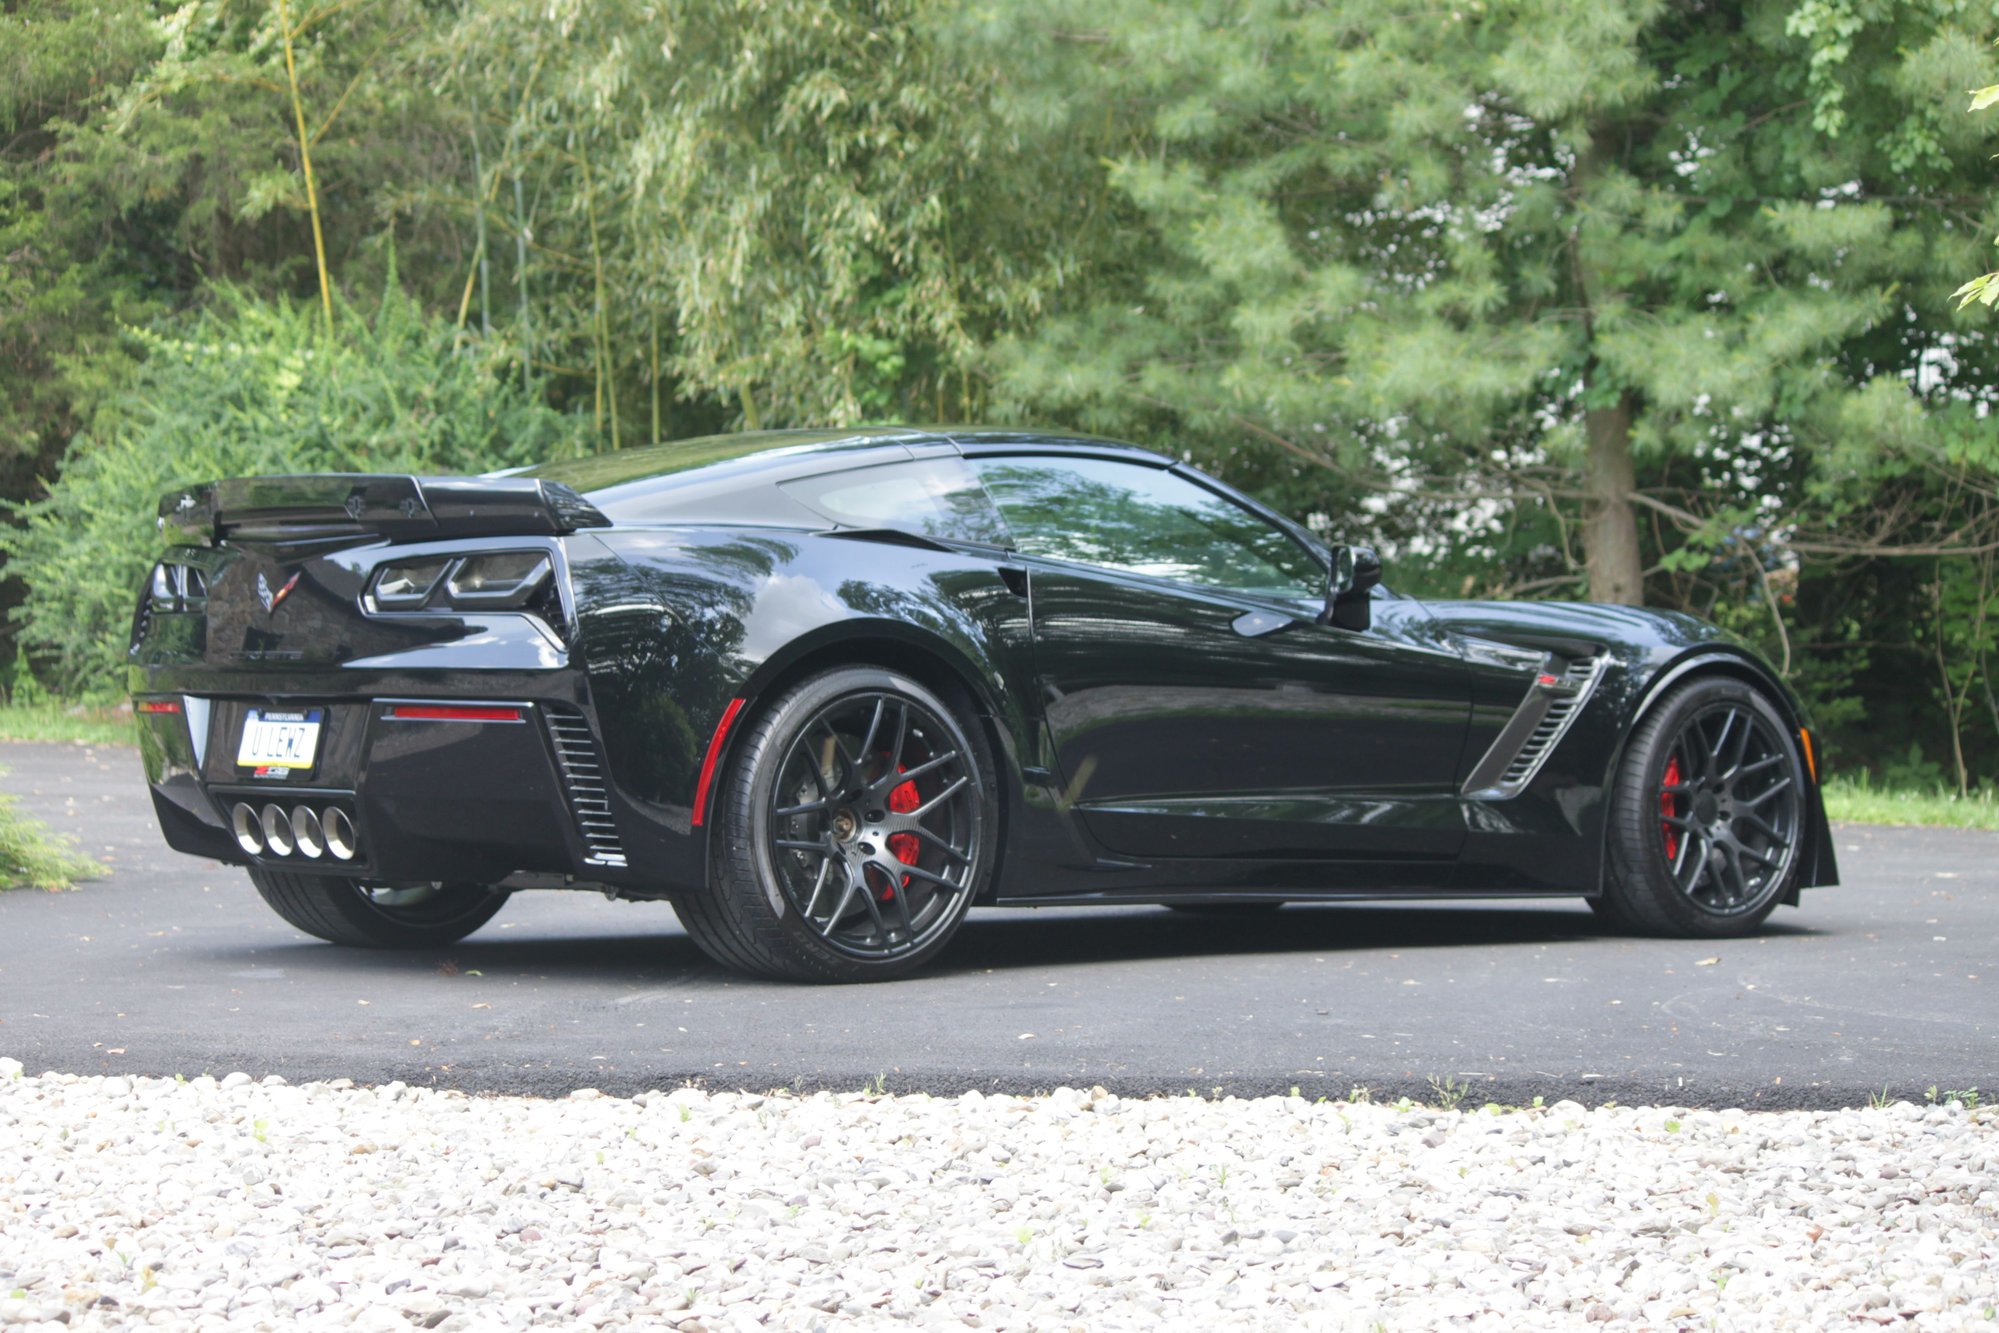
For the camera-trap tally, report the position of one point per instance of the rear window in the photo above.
(932, 497)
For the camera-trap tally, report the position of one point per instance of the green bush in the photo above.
(33, 857)
(251, 386)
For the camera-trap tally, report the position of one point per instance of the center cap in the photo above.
(1706, 807)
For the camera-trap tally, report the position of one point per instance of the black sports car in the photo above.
(822, 691)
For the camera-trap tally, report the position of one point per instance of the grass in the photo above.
(32, 857)
(54, 720)
(1857, 800)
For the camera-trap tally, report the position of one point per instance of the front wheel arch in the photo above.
(1693, 665)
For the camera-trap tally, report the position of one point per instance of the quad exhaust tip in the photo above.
(301, 830)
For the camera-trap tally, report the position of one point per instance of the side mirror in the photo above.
(1352, 576)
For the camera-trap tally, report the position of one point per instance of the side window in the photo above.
(934, 497)
(1145, 521)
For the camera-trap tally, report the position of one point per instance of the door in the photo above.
(1196, 706)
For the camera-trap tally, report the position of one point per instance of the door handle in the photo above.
(1256, 624)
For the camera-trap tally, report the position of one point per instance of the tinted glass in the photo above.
(1145, 521)
(935, 497)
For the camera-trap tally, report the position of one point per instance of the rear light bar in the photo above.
(452, 713)
(158, 705)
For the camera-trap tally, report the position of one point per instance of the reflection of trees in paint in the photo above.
(665, 650)
(1145, 521)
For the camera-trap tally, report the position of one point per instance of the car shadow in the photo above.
(993, 941)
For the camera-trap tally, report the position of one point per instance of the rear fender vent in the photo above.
(1535, 729)
(585, 784)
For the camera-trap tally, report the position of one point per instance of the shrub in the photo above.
(33, 857)
(251, 386)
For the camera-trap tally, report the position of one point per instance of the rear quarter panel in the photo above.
(674, 623)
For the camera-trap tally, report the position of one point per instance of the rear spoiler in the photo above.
(345, 504)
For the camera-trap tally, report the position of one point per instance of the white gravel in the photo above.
(237, 1204)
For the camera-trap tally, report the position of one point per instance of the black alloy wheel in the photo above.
(378, 916)
(1708, 824)
(854, 831)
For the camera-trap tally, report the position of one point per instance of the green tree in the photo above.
(247, 386)
(785, 211)
(1983, 289)
(1618, 287)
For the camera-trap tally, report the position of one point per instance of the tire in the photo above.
(1708, 815)
(348, 912)
(856, 823)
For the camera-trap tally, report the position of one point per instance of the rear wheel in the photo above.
(854, 829)
(374, 916)
(1707, 820)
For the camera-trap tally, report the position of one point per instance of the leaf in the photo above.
(1984, 97)
(1708, 962)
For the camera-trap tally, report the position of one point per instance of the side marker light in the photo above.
(715, 745)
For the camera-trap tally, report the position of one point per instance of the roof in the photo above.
(743, 454)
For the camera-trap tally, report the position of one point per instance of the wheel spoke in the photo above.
(1770, 830)
(786, 812)
(1693, 857)
(902, 905)
(1762, 857)
(927, 766)
(874, 728)
(818, 886)
(818, 848)
(931, 876)
(957, 784)
(935, 839)
(1741, 746)
(1767, 761)
(1756, 802)
(901, 739)
(868, 898)
(1719, 746)
(840, 908)
(1732, 858)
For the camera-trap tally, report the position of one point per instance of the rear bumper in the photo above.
(518, 788)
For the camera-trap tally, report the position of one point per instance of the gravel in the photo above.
(258, 1205)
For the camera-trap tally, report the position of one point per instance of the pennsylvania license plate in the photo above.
(276, 742)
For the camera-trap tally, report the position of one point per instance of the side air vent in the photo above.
(583, 780)
(1535, 729)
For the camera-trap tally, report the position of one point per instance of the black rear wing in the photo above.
(346, 504)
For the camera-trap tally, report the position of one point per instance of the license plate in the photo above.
(279, 739)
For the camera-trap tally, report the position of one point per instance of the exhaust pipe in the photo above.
(339, 833)
(243, 823)
(306, 832)
(275, 831)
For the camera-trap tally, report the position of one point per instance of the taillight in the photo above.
(495, 581)
(407, 587)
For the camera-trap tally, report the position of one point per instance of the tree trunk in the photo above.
(1610, 524)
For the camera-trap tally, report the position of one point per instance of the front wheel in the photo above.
(1708, 814)
(855, 827)
(375, 916)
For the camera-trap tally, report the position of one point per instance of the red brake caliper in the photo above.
(1669, 806)
(904, 847)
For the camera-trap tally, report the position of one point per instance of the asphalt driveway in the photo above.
(173, 965)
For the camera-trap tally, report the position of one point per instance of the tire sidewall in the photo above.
(746, 870)
(1643, 891)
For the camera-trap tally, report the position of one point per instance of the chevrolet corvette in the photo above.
(823, 691)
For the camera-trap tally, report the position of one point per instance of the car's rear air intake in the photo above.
(583, 782)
